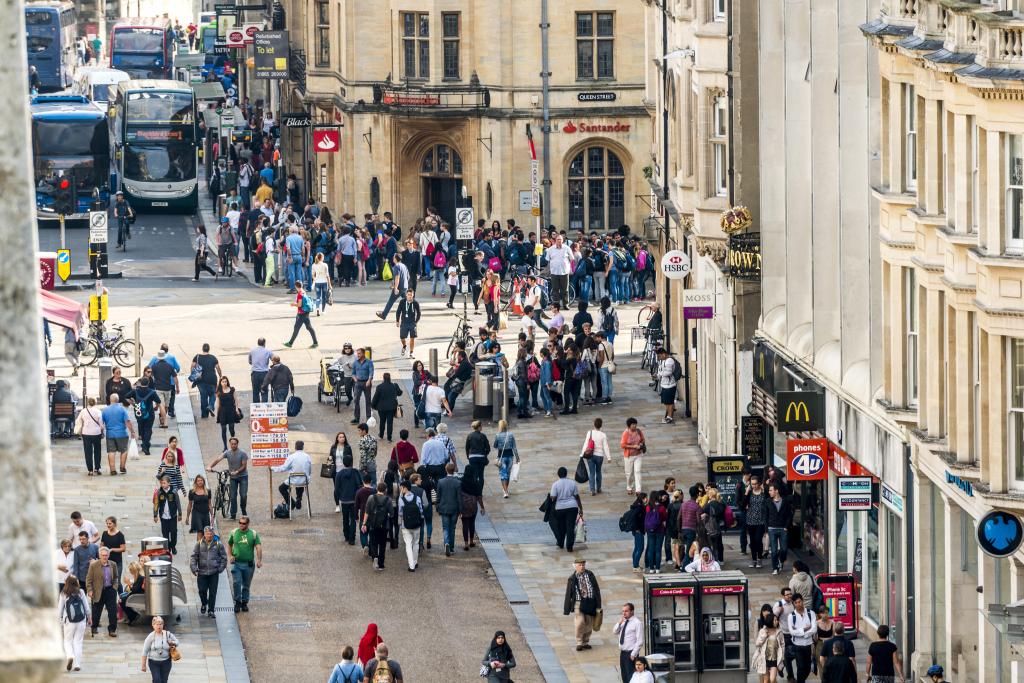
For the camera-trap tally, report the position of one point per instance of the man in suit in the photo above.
(101, 587)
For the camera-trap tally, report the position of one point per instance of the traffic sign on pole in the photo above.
(464, 223)
(98, 227)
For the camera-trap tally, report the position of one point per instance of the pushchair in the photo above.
(331, 385)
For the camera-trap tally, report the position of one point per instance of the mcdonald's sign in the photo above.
(764, 367)
(799, 411)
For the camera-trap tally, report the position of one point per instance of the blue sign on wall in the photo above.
(1000, 533)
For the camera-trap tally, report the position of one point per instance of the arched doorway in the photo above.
(596, 190)
(441, 173)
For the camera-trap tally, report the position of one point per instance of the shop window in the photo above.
(450, 29)
(415, 44)
(873, 604)
(595, 45)
(1015, 432)
(909, 138)
(938, 575)
(596, 190)
(911, 324)
(1014, 209)
(894, 575)
(323, 33)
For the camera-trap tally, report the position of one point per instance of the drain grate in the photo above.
(294, 626)
(262, 598)
(186, 423)
(308, 532)
(494, 539)
(519, 602)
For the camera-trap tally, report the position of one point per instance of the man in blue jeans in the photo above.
(295, 244)
(245, 554)
(780, 517)
(448, 505)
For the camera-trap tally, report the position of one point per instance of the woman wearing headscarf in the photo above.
(368, 644)
(499, 658)
(705, 562)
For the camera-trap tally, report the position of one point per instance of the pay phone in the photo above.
(671, 617)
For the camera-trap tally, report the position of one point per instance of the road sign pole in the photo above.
(60, 217)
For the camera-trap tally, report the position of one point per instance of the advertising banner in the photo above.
(268, 424)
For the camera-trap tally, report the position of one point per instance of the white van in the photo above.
(98, 83)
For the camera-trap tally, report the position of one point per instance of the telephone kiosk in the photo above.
(702, 621)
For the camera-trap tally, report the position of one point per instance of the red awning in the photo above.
(62, 311)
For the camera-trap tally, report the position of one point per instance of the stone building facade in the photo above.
(435, 96)
(951, 208)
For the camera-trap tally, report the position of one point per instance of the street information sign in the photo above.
(464, 223)
(268, 424)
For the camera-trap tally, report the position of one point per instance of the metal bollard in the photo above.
(504, 395)
(432, 361)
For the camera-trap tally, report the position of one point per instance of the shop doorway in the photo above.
(441, 171)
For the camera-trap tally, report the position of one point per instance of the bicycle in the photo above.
(645, 314)
(463, 333)
(117, 346)
(220, 494)
(224, 256)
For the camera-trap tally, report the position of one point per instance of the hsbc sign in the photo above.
(675, 264)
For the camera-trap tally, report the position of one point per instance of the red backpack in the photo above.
(439, 259)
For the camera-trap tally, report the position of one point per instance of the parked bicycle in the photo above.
(463, 333)
(100, 344)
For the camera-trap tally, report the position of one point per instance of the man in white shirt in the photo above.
(802, 628)
(559, 263)
(434, 402)
(631, 640)
(532, 297)
(78, 524)
(298, 463)
(667, 383)
(528, 324)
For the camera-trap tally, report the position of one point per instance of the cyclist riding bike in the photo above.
(123, 212)
(225, 245)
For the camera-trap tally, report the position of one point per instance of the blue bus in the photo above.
(50, 29)
(70, 137)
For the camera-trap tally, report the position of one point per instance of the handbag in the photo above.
(513, 472)
(588, 449)
(598, 619)
(484, 670)
(581, 476)
(174, 652)
(609, 365)
(196, 373)
(400, 413)
(327, 469)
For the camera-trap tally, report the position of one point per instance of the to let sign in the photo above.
(853, 493)
(270, 54)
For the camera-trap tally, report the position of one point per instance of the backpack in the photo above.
(817, 597)
(730, 518)
(439, 258)
(582, 369)
(429, 250)
(144, 412)
(494, 264)
(281, 511)
(366, 251)
(532, 372)
(652, 520)
(382, 673)
(608, 321)
(306, 304)
(381, 515)
(74, 609)
(628, 520)
(412, 518)
(677, 369)
(711, 524)
(556, 374)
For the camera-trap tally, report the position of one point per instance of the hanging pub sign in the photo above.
(744, 256)
(799, 411)
(298, 119)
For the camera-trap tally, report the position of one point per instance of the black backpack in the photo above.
(381, 514)
(412, 518)
(627, 522)
(677, 369)
(281, 511)
(74, 609)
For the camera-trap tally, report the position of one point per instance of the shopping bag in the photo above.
(385, 273)
(133, 450)
(581, 476)
(503, 321)
(598, 619)
(513, 473)
(581, 530)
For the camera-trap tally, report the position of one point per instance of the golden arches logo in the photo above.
(793, 412)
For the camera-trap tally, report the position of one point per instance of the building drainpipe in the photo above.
(910, 550)
(546, 128)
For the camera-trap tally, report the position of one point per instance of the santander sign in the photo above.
(570, 127)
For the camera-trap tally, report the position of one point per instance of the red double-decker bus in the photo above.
(143, 48)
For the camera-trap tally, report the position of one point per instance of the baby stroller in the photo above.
(331, 385)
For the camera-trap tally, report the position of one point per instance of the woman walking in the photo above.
(321, 282)
(636, 528)
(768, 648)
(505, 445)
(490, 296)
(203, 253)
(634, 445)
(198, 510)
(546, 381)
(90, 425)
(453, 284)
(499, 659)
(228, 412)
(419, 384)
(73, 612)
(471, 496)
(368, 644)
(340, 449)
(385, 402)
(157, 652)
(171, 469)
(605, 365)
(595, 450)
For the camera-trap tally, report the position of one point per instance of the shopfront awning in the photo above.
(62, 311)
(211, 90)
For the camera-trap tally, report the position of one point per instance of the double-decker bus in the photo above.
(153, 126)
(70, 138)
(143, 48)
(50, 29)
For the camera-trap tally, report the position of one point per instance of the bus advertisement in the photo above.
(143, 48)
(69, 138)
(155, 134)
(50, 33)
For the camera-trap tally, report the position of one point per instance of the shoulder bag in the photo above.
(588, 448)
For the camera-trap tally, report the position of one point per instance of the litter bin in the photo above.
(158, 587)
(662, 666)
(483, 382)
(499, 394)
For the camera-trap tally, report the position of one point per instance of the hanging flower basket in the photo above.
(735, 220)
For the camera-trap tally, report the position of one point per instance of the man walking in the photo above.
(209, 374)
(101, 587)
(238, 470)
(399, 283)
(245, 558)
(300, 468)
(279, 380)
(294, 244)
(406, 319)
(347, 483)
(667, 371)
(434, 403)
(347, 249)
(532, 297)
(783, 608)
(448, 506)
(801, 631)
(259, 366)
(303, 307)
(167, 510)
(631, 640)
(780, 516)
(559, 259)
(146, 400)
(117, 426)
(208, 560)
(410, 514)
(362, 374)
(165, 381)
(583, 599)
(376, 519)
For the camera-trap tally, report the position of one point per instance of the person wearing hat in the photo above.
(936, 673)
(583, 600)
(667, 383)
(123, 213)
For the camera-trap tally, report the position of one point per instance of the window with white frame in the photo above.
(975, 133)
(1014, 209)
(1015, 403)
(909, 138)
(718, 10)
(719, 146)
(911, 325)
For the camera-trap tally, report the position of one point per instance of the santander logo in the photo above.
(569, 128)
(616, 127)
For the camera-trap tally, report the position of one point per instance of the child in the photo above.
(528, 324)
(453, 284)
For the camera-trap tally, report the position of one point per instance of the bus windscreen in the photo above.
(138, 40)
(160, 108)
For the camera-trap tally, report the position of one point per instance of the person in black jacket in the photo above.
(458, 380)
(279, 380)
(780, 517)
(583, 599)
(347, 481)
(406, 318)
(385, 402)
(412, 260)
